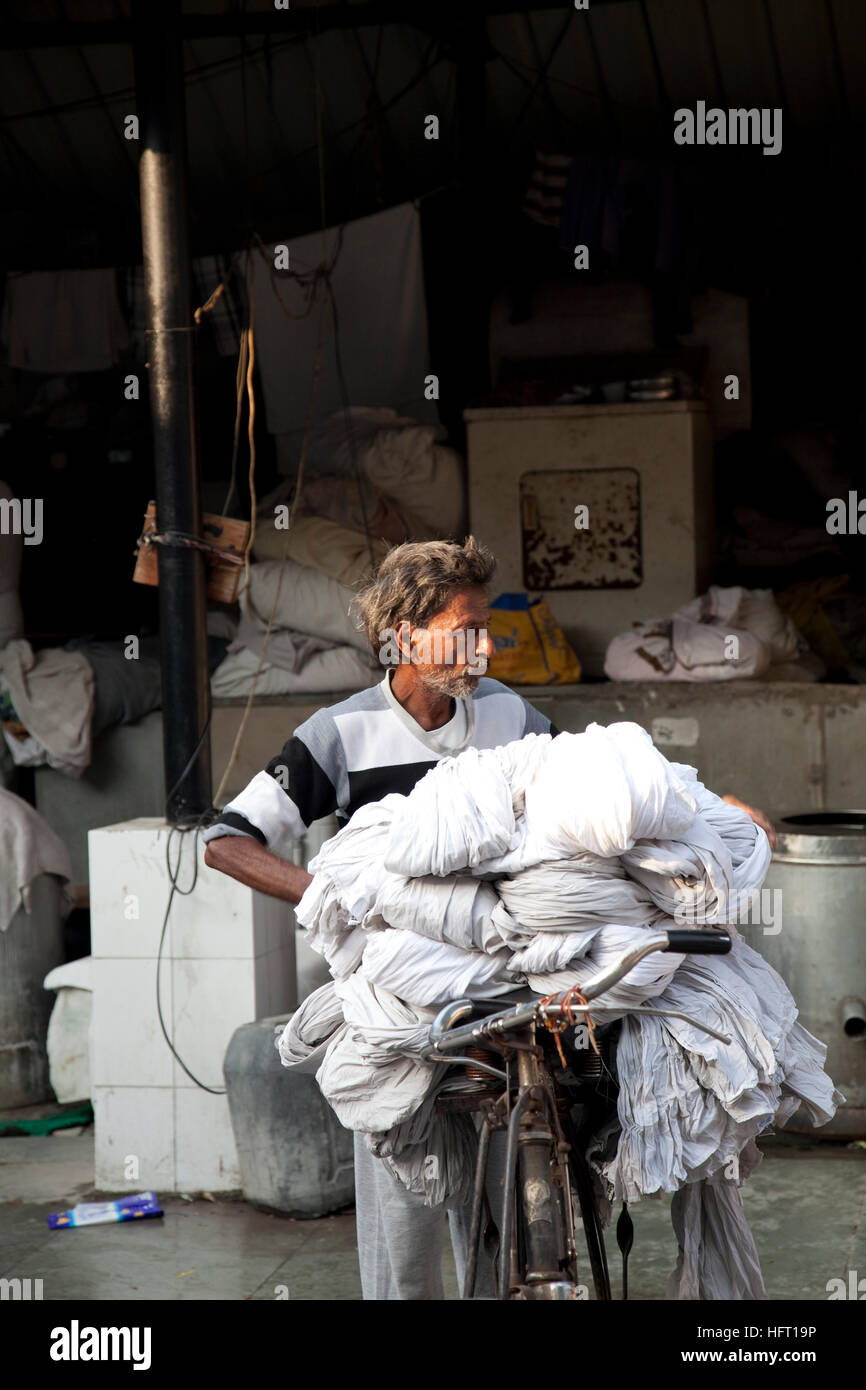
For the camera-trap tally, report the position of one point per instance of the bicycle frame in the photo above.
(538, 1255)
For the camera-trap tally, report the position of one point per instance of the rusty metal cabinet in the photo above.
(607, 510)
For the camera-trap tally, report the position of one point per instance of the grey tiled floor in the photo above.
(807, 1208)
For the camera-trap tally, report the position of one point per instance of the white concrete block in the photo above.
(135, 1148)
(211, 999)
(205, 1155)
(128, 1046)
(126, 905)
(222, 918)
(227, 959)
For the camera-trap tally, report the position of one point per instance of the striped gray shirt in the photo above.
(360, 750)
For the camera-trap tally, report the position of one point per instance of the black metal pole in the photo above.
(159, 83)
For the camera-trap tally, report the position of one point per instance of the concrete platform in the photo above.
(806, 1205)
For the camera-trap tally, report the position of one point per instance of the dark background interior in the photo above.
(324, 109)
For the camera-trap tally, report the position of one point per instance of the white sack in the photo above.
(335, 669)
(309, 602)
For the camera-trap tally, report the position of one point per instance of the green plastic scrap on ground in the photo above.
(46, 1124)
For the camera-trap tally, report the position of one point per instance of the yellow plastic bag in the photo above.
(531, 648)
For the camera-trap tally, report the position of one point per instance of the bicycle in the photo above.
(550, 1105)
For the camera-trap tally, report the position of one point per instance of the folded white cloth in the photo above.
(52, 691)
(430, 973)
(695, 643)
(499, 810)
(28, 847)
(540, 863)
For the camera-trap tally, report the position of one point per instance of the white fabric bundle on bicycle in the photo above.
(555, 961)
(500, 810)
(468, 811)
(373, 1075)
(312, 1028)
(688, 1103)
(459, 910)
(431, 973)
(583, 891)
(593, 844)
(348, 871)
(717, 1259)
(428, 1153)
(431, 1154)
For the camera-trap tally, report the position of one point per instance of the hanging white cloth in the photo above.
(377, 283)
(63, 321)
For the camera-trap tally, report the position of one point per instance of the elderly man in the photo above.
(425, 615)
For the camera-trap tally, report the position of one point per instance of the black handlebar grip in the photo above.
(688, 941)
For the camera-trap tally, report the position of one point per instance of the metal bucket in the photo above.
(819, 866)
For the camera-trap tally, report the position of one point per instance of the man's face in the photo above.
(451, 653)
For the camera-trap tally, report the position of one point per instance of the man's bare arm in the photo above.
(243, 858)
(759, 817)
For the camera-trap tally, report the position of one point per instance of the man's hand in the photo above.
(759, 817)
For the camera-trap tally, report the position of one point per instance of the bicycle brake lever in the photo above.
(675, 1013)
(431, 1055)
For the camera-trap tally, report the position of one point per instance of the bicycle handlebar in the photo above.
(698, 943)
(689, 941)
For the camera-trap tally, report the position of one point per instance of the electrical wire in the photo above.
(184, 893)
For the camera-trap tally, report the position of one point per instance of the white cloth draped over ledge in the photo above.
(538, 864)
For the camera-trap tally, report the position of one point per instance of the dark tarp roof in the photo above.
(259, 95)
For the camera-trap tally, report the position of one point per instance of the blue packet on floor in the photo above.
(97, 1213)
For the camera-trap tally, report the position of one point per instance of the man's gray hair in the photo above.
(415, 581)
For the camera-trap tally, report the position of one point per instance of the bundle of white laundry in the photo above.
(724, 634)
(537, 864)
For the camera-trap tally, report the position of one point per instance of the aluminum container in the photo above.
(819, 867)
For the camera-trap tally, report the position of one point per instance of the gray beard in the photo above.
(448, 684)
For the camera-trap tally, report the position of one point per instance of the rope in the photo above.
(574, 995)
(567, 1019)
(240, 377)
(314, 393)
(251, 425)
